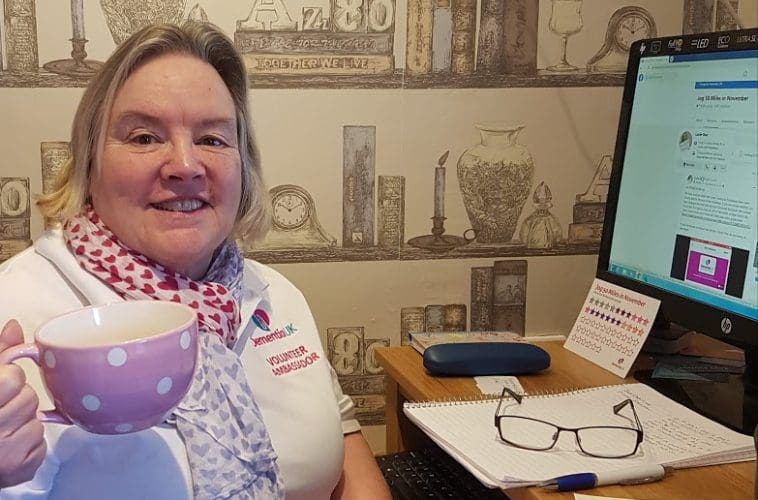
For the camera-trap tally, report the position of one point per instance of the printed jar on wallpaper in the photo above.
(124, 17)
(495, 178)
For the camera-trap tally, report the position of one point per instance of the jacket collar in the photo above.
(52, 247)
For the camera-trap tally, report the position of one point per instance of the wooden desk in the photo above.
(408, 381)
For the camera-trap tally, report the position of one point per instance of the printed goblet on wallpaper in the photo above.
(495, 178)
(565, 20)
(125, 17)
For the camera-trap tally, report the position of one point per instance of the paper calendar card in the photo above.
(612, 326)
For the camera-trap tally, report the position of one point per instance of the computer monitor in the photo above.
(681, 221)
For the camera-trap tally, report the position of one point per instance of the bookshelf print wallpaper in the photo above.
(433, 164)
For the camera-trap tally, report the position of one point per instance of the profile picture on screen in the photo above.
(685, 140)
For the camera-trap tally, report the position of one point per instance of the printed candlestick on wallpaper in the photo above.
(438, 241)
(78, 65)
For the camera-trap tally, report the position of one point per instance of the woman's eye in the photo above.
(211, 141)
(143, 139)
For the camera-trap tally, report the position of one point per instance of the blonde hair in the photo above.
(202, 40)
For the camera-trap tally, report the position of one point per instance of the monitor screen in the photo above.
(681, 218)
(685, 214)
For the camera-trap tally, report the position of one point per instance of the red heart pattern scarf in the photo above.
(136, 277)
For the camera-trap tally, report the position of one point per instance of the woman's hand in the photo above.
(22, 443)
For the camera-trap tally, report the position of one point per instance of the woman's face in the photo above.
(168, 181)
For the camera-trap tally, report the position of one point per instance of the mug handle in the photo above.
(31, 351)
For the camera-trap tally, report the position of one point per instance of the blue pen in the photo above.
(630, 475)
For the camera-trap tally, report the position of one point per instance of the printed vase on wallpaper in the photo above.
(495, 178)
(125, 17)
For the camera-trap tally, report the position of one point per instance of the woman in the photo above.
(164, 176)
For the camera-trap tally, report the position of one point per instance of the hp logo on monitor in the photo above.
(726, 325)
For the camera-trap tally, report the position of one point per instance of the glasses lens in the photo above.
(607, 442)
(528, 433)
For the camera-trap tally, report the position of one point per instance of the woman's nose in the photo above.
(183, 163)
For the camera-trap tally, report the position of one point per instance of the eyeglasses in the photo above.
(602, 441)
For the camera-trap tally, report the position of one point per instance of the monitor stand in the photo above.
(733, 403)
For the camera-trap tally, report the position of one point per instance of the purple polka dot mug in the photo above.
(115, 368)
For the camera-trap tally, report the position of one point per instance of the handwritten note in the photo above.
(612, 326)
(494, 384)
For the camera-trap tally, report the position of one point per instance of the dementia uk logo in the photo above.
(289, 360)
(278, 334)
(260, 318)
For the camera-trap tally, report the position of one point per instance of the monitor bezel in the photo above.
(704, 318)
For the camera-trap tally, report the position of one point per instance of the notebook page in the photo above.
(468, 430)
(673, 433)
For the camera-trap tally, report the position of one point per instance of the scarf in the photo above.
(228, 447)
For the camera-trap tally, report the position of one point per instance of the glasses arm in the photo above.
(628, 402)
(506, 390)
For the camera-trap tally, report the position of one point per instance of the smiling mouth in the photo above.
(180, 205)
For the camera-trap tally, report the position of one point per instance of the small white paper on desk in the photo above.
(612, 326)
(494, 384)
(582, 496)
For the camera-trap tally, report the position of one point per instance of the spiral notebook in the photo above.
(673, 434)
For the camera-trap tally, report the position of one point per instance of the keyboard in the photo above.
(431, 473)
